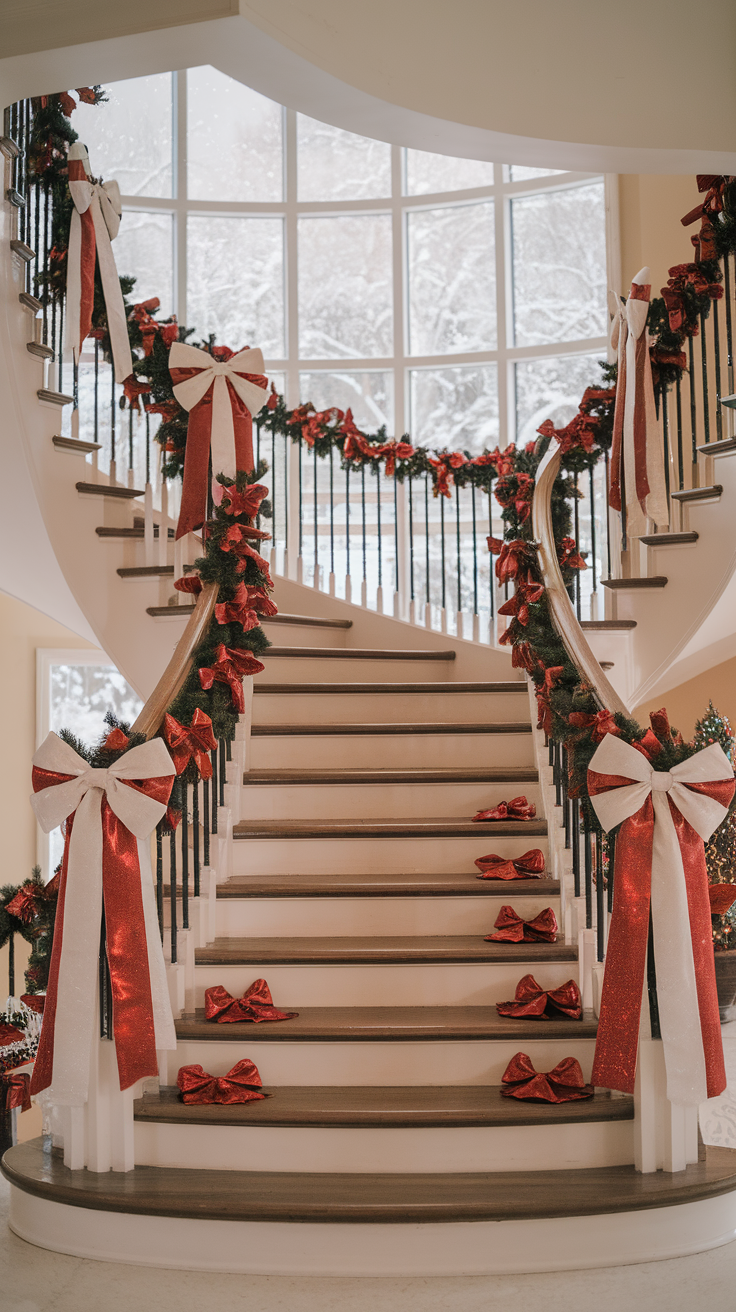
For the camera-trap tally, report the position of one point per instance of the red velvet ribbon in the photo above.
(231, 666)
(616, 1046)
(235, 541)
(243, 503)
(563, 1084)
(23, 905)
(87, 257)
(10, 1034)
(512, 557)
(238, 610)
(528, 866)
(256, 1004)
(526, 595)
(512, 929)
(17, 1090)
(535, 1003)
(125, 930)
(517, 809)
(241, 1084)
(190, 743)
(544, 705)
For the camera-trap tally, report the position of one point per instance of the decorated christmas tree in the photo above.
(720, 852)
(714, 728)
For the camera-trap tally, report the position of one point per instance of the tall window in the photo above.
(461, 300)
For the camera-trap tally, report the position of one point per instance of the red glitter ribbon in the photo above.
(563, 1084)
(517, 809)
(256, 1005)
(535, 1003)
(528, 866)
(241, 1084)
(195, 742)
(510, 928)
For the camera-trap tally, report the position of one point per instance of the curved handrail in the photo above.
(561, 610)
(174, 676)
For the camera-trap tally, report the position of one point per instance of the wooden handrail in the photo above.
(561, 609)
(174, 676)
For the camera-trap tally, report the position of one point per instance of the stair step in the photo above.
(401, 949)
(14, 197)
(417, 883)
(30, 302)
(110, 490)
(136, 534)
(9, 148)
(173, 612)
(491, 774)
(726, 447)
(669, 539)
(54, 398)
(74, 444)
(387, 1024)
(147, 571)
(361, 654)
(511, 686)
(635, 585)
(24, 252)
(698, 493)
(376, 1106)
(608, 626)
(449, 828)
(310, 621)
(369, 728)
(41, 350)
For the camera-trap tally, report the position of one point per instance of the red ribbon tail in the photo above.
(193, 510)
(87, 261)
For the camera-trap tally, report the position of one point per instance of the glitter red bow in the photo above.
(563, 1084)
(517, 809)
(230, 666)
(237, 611)
(235, 540)
(580, 432)
(535, 1003)
(241, 1084)
(190, 743)
(256, 1004)
(512, 557)
(243, 503)
(518, 496)
(599, 724)
(512, 929)
(17, 1090)
(525, 596)
(528, 866)
(568, 555)
(542, 693)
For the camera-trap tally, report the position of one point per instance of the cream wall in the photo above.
(688, 702)
(651, 206)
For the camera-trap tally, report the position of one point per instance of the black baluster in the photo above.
(106, 1019)
(459, 562)
(160, 880)
(362, 506)
(286, 500)
(551, 752)
(172, 892)
(316, 542)
(332, 514)
(475, 551)
(273, 485)
(213, 788)
(95, 406)
(693, 408)
(61, 346)
(576, 514)
(442, 552)
(411, 538)
(112, 419)
(347, 523)
(206, 821)
(426, 526)
(680, 457)
(600, 903)
(704, 371)
(46, 216)
(593, 547)
(565, 799)
(717, 364)
(666, 443)
(195, 835)
(491, 565)
(146, 400)
(396, 534)
(588, 856)
(258, 444)
(576, 844)
(184, 857)
(228, 749)
(221, 762)
(11, 964)
(301, 497)
(557, 775)
(378, 526)
(729, 324)
(652, 984)
(611, 845)
(130, 440)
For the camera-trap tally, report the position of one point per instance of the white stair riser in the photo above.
(304, 635)
(413, 1063)
(378, 801)
(353, 669)
(369, 1149)
(404, 751)
(445, 984)
(315, 917)
(314, 856)
(389, 708)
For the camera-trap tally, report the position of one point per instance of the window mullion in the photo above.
(291, 262)
(180, 192)
(503, 301)
(400, 291)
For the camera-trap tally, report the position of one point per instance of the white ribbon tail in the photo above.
(116, 322)
(74, 284)
(223, 431)
(163, 1020)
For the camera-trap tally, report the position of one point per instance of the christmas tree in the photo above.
(720, 852)
(714, 728)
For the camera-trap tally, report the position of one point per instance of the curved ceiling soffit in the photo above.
(242, 50)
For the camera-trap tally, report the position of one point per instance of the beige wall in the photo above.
(688, 702)
(651, 206)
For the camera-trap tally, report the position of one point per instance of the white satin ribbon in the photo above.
(640, 394)
(673, 950)
(103, 201)
(190, 392)
(75, 1024)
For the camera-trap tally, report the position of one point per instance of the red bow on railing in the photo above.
(528, 866)
(243, 503)
(512, 929)
(195, 742)
(525, 596)
(520, 496)
(142, 314)
(256, 1004)
(512, 557)
(599, 724)
(231, 666)
(542, 693)
(563, 1084)
(241, 1084)
(10, 1034)
(237, 611)
(714, 185)
(17, 1089)
(235, 540)
(536, 1003)
(517, 809)
(580, 432)
(568, 555)
(24, 906)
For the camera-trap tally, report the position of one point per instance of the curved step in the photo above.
(372, 728)
(635, 585)
(711, 493)
(110, 490)
(360, 654)
(395, 950)
(725, 447)
(76, 446)
(670, 539)
(491, 774)
(248, 830)
(372, 884)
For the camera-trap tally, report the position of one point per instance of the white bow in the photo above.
(190, 392)
(74, 1027)
(103, 201)
(673, 950)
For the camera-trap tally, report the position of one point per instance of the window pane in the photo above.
(236, 281)
(519, 173)
(551, 389)
(452, 280)
(345, 293)
(235, 140)
(369, 394)
(130, 137)
(455, 407)
(559, 258)
(427, 172)
(144, 248)
(337, 165)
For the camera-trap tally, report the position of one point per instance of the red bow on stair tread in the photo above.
(512, 929)
(256, 1004)
(563, 1084)
(517, 809)
(532, 1002)
(528, 866)
(241, 1084)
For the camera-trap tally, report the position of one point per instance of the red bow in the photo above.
(525, 596)
(237, 611)
(235, 540)
(512, 929)
(34, 1001)
(528, 866)
(517, 809)
(10, 1034)
(260, 602)
(569, 556)
(599, 724)
(231, 666)
(519, 497)
(542, 693)
(580, 432)
(243, 503)
(532, 1002)
(17, 1090)
(241, 1084)
(721, 898)
(256, 1004)
(23, 905)
(195, 742)
(191, 583)
(522, 656)
(714, 185)
(512, 557)
(564, 1084)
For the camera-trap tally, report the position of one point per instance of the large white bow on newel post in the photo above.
(95, 222)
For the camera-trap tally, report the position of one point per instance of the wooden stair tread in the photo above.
(146, 571)
(406, 1198)
(387, 1025)
(51, 397)
(391, 727)
(40, 349)
(635, 585)
(396, 1106)
(110, 490)
(370, 828)
(417, 883)
(515, 686)
(22, 250)
(608, 625)
(698, 493)
(104, 531)
(310, 621)
(174, 611)
(360, 653)
(30, 302)
(669, 539)
(461, 775)
(74, 444)
(187, 608)
(402, 948)
(725, 447)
